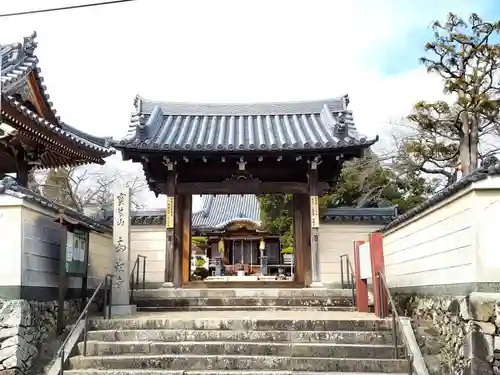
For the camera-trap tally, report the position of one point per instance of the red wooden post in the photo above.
(361, 285)
(377, 259)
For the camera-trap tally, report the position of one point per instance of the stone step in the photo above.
(339, 337)
(142, 301)
(169, 293)
(247, 308)
(96, 348)
(242, 324)
(228, 362)
(215, 372)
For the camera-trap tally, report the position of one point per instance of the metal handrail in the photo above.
(350, 276)
(85, 315)
(396, 323)
(134, 279)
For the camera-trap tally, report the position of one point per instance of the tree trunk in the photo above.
(473, 142)
(464, 147)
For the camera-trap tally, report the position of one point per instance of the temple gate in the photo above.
(287, 148)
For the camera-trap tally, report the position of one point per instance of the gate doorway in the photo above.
(292, 148)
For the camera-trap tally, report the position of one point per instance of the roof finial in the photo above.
(138, 103)
(346, 100)
(29, 43)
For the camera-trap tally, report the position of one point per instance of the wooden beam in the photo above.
(186, 238)
(314, 223)
(169, 243)
(246, 187)
(177, 247)
(40, 103)
(301, 232)
(44, 136)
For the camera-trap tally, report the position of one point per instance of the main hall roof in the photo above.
(21, 82)
(188, 127)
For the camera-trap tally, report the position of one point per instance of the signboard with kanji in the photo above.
(76, 253)
(169, 219)
(314, 211)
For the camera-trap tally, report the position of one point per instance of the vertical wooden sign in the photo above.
(314, 211)
(169, 219)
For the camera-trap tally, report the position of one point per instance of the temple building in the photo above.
(31, 133)
(232, 227)
(258, 148)
(46, 244)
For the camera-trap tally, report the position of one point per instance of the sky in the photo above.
(96, 60)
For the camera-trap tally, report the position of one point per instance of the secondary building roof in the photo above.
(218, 210)
(190, 127)
(28, 119)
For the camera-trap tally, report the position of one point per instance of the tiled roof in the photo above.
(10, 187)
(490, 167)
(18, 61)
(187, 127)
(369, 214)
(218, 210)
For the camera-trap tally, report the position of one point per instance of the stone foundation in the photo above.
(457, 335)
(25, 327)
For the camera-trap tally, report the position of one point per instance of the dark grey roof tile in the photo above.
(18, 60)
(325, 124)
(381, 215)
(478, 175)
(10, 187)
(218, 210)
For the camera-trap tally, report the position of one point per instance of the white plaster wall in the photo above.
(41, 248)
(487, 211)
(101, 257)
(11, 245)
(336, 239)
(436, 247)
(41, 241)
(150, 241)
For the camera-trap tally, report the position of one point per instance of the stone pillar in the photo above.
(314, 214)
(120, 300)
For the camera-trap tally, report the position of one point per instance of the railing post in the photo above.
(342, 271)
(144, 273)
(85, 330)
(61, 356)
(110, 296)
(395, 334)
(105, 296)
(138, 271)
(353, 288)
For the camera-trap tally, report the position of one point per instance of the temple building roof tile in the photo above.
(190, 127)
(21, 83)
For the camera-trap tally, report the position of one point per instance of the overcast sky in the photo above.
(96, 60)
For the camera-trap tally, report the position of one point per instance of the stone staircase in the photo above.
(243, 299)
(300, 337)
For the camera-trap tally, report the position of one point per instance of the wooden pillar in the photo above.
(301, 230)
(186, 237)
(169, 225)
(177, 247)
(22, 174)
(314, 222)
(298, 240)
